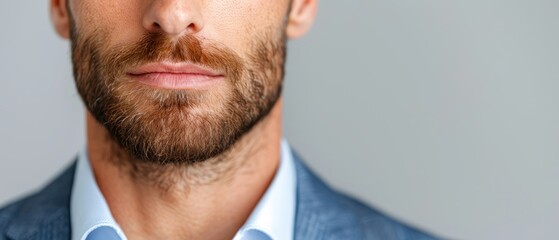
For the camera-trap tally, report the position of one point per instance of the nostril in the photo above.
(172, 22)
(156, 25)
(191, 28)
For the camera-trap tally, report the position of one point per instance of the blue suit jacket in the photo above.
(321, 213)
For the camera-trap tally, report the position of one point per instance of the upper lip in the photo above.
(173, 68)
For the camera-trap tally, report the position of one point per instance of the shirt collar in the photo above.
(272, 218)
(88, 209)
(274, 215)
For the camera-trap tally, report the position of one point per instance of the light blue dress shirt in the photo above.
(272, 219)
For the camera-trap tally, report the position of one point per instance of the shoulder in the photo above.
(323, 213)
(371, 223)
(44, 213)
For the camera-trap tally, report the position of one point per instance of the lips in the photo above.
(167, 75)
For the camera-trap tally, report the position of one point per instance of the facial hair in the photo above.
(165, 126)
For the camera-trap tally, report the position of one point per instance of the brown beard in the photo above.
(165, 126)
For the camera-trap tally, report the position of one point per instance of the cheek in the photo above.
(237, 23)
(119, 20)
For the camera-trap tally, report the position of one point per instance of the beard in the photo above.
(170, 126)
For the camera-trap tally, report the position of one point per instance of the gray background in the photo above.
(440, 112)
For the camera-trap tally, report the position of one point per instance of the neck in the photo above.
(206, 200)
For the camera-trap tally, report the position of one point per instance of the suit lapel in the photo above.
(309, 222)
(46, 214)
(322, 212)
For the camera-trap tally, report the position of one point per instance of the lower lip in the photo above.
(179, 81)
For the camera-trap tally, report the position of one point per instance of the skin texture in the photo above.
(183, 195)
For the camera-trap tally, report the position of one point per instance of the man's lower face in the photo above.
(166, 125)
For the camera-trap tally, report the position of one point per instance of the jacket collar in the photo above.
(321, 212)
(45, 214)
(308, 221)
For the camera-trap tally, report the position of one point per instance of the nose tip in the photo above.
(173, 17)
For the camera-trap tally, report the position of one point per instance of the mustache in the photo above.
(157, 47)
